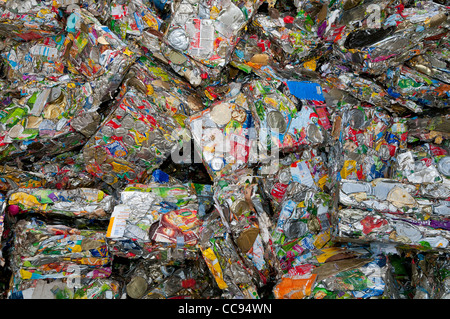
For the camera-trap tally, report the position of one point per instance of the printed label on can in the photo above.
(116, 149)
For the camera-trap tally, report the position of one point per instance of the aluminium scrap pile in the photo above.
(157, 227)
(224, 149)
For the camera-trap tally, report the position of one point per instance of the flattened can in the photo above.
(276, 121)
(444, 166)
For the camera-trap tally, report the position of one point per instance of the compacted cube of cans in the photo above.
(224, 149)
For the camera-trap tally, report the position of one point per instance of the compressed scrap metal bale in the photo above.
(28, 20)
(388, 41)
(366, 90)
(302, 225)
(45, 252)
(98, 288)
(85, 248)
(154, 218)
(173, 95)
(133, 138)
(392, 54)
(224, 135)
(310, 169)
(39, 123)
(205, 34)
(359, 273)
(248, 223)
(410, 208)
(131, 19)
(234, 276)
(86, 51)
(337, 272)
(76, 208)
(407, 82)
(67, 171)
(285, 39)
(390, 211)
(13, 178)
(425, 163)
(94, 51)
(144, 127)
(282, 124)
(369, 141)
(254, 126)
(429, 129)
(169, 279)
(311, 264)
(88, 203)
(417, 275)
(62, 171)
(56, 86)
(296, 39)
(388, 195)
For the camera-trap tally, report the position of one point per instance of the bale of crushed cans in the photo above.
(224, 149)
